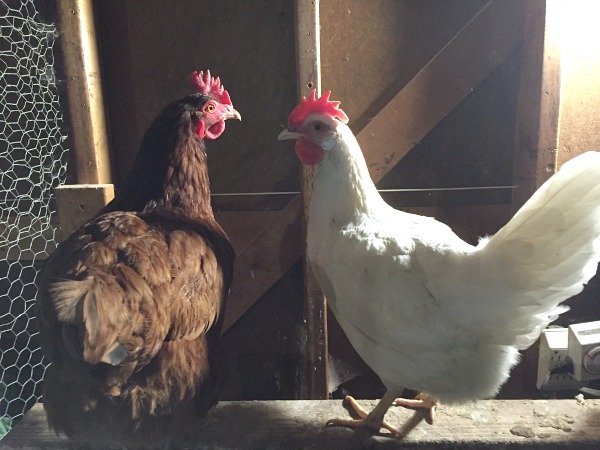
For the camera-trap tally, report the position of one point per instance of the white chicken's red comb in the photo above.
(205, 84)
(315, 105)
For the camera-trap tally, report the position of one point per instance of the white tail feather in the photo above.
(549, 249)
(510, 288)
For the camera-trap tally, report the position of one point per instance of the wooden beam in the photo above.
(78, 203)
(308, 67)
(448, 78)
(452, 74)
(90, 161)
(281, 424)
(265, 260)
(538, 103)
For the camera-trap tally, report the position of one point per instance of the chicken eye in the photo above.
(317, 126)
(209, 108)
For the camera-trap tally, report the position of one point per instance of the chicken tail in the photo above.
(549, 250)
(75, 303)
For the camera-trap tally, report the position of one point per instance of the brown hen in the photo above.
(129, 306)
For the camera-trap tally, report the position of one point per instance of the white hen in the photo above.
(424, 309)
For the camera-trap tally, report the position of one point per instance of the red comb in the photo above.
(314, 105)
(205, 84)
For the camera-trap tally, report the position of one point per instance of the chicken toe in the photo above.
(422, 403)
(373, 420)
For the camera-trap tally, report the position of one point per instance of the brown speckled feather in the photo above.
(129, 304)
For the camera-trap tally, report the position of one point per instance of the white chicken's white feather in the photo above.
(426, 310)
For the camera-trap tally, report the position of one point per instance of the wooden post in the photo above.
(90, 162)
(538, 104)
(88, 133)
(78, 203)
(315, 308)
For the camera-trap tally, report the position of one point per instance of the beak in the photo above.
(232, 114)
(286, 135)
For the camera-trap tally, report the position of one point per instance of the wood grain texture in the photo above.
(371, 50)
(265, 260)
(579, 128)
(308, 66)
(489, 424)
(147, 54)
(538, 104)
(88, 131)
(78, 203)
(452, 74)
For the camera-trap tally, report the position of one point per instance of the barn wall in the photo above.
(147, 52)
(579, 128)
(369, 51)
(366, 65)
(579, 123)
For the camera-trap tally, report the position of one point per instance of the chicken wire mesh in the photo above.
(32, 163)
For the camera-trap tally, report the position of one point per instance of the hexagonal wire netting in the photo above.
(32, 163)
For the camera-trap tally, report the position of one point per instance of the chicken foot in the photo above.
(423, 406)
(373, 420)
(422, 403)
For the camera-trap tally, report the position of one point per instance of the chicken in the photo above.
(424, 309)
(129, 305)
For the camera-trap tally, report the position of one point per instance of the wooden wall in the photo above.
(580, 80)
(148, 49)
(369, 51)
(365, 66)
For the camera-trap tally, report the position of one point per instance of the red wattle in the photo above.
(200, 129)
(308, 152)
(215, 130)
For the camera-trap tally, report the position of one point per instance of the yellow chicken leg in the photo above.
(423, 406)
(373, 420)
(422, 403)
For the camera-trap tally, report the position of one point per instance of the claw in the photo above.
(423, 406)
(373, 420)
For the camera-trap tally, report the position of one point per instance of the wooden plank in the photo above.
(452, 74)
(366, 62)
(488, 424)
(500, 32)
(308, 62)
(308, 51)
(579, 129)
(243, 226)
(538, 104)
(34, 238)
(90, 161)
(265, 260)
(144, 70)
(78, 203)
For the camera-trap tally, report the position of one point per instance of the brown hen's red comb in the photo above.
(205, 84)
(314, 105)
